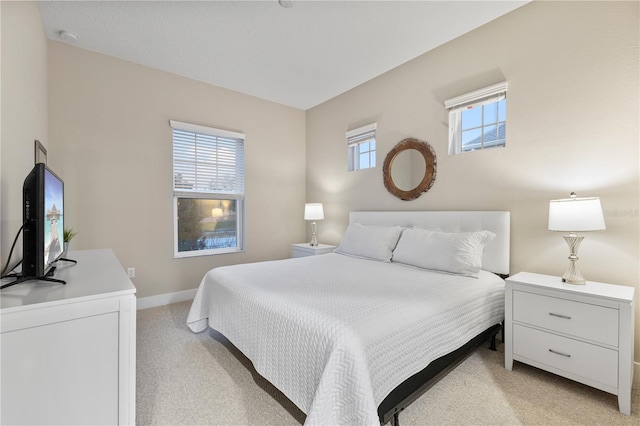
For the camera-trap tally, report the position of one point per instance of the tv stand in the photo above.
(69, 351)
(21, 279)
(48, 277)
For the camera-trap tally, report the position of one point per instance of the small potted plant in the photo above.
(69, 233)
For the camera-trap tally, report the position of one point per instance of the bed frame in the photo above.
(495, 259)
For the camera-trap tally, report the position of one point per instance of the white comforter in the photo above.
(335, 333)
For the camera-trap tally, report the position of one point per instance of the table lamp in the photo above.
(574, 215)
(313, 211)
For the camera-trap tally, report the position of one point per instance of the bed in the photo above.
(354, 336)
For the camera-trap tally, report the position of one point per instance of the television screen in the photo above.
(54, 218)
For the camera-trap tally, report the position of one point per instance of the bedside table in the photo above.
(582, 332)
(305, 249)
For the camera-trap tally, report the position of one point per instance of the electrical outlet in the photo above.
(131, 272)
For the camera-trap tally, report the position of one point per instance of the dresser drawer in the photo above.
(581, 359)
(595, 323)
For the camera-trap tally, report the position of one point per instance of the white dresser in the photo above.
(582, 332)
(69, 351)
(306, 249)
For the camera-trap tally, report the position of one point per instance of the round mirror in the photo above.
(409, 169)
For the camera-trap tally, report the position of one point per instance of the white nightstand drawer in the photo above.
(582, 359)
(595, 323)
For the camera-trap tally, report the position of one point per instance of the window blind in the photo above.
(207, 160)
(489, 94)
(361, 134)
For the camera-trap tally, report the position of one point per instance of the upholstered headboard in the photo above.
(496, 254)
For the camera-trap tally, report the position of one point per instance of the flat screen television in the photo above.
(43, 215)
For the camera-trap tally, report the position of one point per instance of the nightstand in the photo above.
(305, 249)
(582, 332)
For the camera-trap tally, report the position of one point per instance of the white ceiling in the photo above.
(300, 56)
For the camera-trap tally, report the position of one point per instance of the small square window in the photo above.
(362, 147)
(478, 120)
(482, 128)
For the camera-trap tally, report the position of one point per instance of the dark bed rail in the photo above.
(412, 388)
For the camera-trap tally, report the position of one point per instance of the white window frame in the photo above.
(355, 139)
(475, 99)
(235, 193)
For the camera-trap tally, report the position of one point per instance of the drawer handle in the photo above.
(559, 315)
(559, 353)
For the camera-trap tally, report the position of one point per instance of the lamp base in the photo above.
(573, 275)
(579, 281)
(314, 240)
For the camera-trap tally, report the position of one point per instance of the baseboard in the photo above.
(166, 299)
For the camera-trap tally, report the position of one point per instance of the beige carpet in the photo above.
(197, 379)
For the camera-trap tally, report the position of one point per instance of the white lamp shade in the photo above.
(313, 211)
(576, 215)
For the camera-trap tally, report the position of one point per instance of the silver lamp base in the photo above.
(573, 275)
(314, 240)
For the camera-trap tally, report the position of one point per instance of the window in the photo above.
(478, 120)
(362, 147)
(208, 190)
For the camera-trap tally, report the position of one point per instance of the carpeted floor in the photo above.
(196, 379)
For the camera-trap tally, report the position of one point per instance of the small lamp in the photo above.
(313, 211)
(575, 215)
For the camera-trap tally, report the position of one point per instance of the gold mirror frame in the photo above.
(429, 174)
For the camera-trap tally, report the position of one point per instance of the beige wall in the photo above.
(23, 83)
(110, 140)
(573, 108)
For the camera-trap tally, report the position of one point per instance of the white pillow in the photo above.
(371, 242)
(454, 252)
